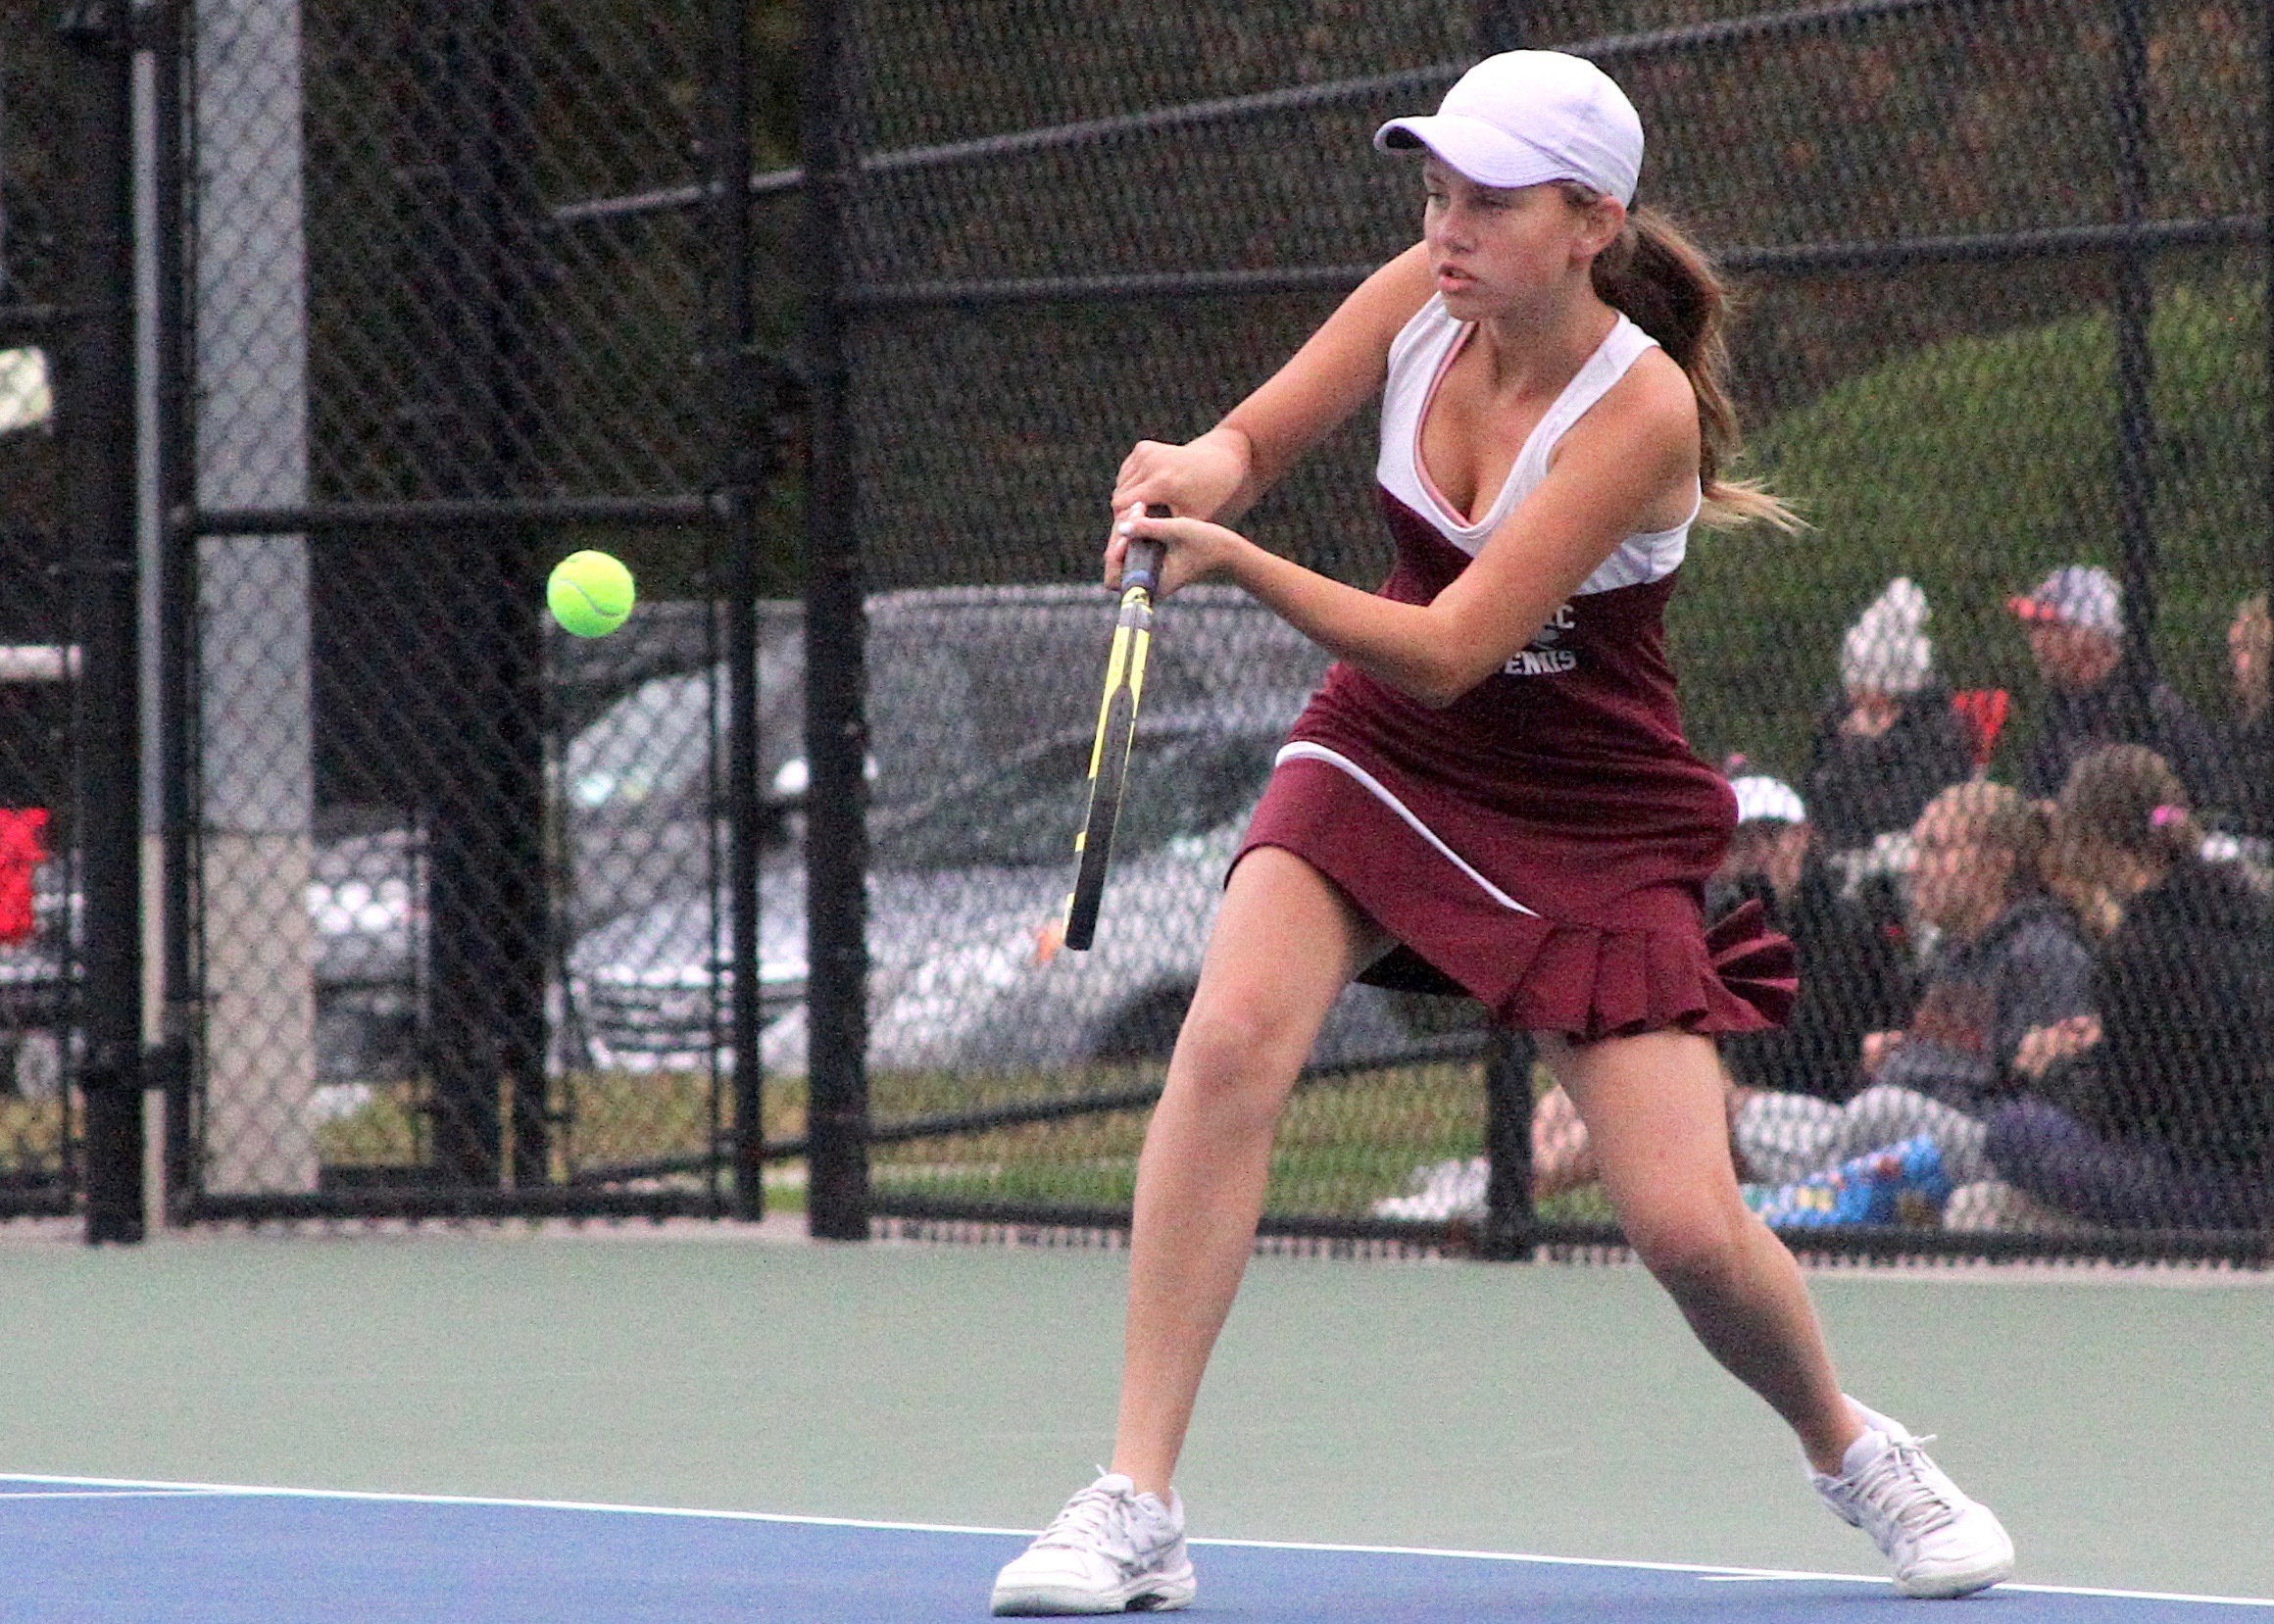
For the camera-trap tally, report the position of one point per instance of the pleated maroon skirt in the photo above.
(1587, 967)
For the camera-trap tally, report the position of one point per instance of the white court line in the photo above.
(102, 1494)
(1723, 1573)
(1768, 1578)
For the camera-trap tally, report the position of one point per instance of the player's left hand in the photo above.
(1197, 548)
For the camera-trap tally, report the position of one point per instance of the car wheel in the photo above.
(1147, 1029)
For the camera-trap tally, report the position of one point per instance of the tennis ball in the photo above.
(589, 593)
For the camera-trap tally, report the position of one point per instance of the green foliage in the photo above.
(1975, 467)
(1342, 1145)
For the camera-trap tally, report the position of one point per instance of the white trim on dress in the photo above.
(1303, 750)
(1419, 358)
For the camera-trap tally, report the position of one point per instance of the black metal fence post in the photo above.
(2133, 310)
(740, 418)
(1507, 1140)
(95, 412)
(836, 730)
(176, 464)
(484, 803)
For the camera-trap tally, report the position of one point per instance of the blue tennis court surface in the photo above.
(92, 1552)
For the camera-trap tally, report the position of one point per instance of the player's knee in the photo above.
(1239, 1051)
(1687, 1246)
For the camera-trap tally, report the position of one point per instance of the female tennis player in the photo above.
(1490, 788)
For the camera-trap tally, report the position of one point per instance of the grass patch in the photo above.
(1343, 1144)
(31, 1134)
(1974, 466)
(605, 1119)
(387, 1131)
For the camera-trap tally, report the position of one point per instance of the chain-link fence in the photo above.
(465, 290)
(458, 914)
(2004, 278)
(39, 923)
(41, 920)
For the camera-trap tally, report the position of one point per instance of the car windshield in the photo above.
(1180, 785)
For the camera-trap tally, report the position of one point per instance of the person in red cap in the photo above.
(1490, 792)
(2074, 621)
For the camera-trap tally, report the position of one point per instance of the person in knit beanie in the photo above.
(1889, 740)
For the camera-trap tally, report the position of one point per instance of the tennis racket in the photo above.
(1116, 727)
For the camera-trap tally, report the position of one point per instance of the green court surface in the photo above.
(2119, 1422)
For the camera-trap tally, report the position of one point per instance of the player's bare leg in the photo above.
(1657, 1121)
(1655, 1110)
(1285, 944)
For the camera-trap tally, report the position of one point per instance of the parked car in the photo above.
(961, 681)
(958, 679)
(362, 906)
(643, 784)
(638, 701)
(954, 677)
(365, 890)
(35, 990)
(964, 890)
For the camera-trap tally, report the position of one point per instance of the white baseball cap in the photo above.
(1524, 117)
(2078, 595)
(1760, 797)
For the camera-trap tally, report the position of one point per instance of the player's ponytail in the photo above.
(1667, 286)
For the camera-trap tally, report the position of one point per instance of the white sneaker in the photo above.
(1942, 1543)
(1111, 1549)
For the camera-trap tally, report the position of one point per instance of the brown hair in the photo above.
(1667, 286)
(2258, 638)
(2126, 797)
(1995, 814)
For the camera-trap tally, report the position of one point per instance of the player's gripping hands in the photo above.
(1197, 548)
(1210, 478)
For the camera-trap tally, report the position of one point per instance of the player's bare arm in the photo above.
(1630, 465)
(1337, 370)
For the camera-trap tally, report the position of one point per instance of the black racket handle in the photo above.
(1141, 564)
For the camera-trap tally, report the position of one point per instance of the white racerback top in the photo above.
(1419, 360)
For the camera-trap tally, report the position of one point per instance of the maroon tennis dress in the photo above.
(1544, 842)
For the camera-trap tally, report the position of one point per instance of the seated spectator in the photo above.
(2009, 960)
(1891, 738)
(2250, 800)
(1855, 958)
(1856, 974)
(2076, 624)
(2158, 1111)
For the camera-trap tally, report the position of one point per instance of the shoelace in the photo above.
(1096, 1518)
(1896, 1479)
